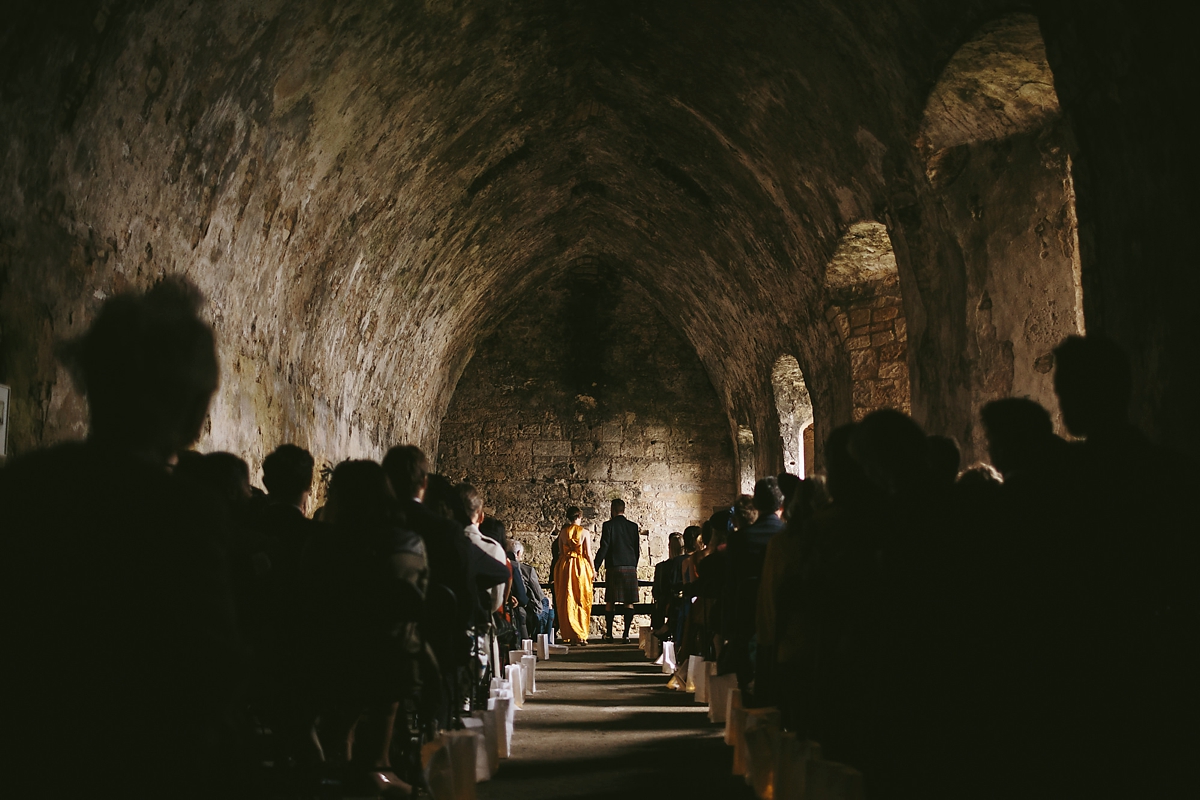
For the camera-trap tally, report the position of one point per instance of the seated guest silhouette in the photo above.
(620, 548)
(537, 612)
(116, 585)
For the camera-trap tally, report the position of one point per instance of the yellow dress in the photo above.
(573, 576)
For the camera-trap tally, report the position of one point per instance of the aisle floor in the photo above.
(603, 725)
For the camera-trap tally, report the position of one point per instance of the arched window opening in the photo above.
(746, 466)
(998, 158)
(794, 405)
(866, 310)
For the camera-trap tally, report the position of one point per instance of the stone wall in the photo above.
(874, 331)
(583, 394)
(1011, 205)
(364, 189)
(866, 309)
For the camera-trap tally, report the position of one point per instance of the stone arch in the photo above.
(794, 405)
(998, 158)
(866, 309)
(574, 399)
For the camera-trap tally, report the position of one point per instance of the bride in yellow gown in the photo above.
(573, 576)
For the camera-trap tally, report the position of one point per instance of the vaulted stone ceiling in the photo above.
(364, 189)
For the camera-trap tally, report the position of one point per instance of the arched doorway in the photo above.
(746, 464)
(863, 286)
(794, 405)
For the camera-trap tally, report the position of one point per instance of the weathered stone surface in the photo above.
(652, 432)
(996, 85)
(864, 287)
(999, 164)
(366, 189)
(794, 404)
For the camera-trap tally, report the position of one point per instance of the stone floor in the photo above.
(603, 725)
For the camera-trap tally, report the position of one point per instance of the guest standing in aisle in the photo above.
(620, 547)
(573, 575)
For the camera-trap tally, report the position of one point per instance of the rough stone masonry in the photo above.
(366, 190)
(583, 394)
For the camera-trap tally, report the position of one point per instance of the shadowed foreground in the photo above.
(603, 725)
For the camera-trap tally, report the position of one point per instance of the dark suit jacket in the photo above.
(533, 584)
(445, 547)
(619, 544)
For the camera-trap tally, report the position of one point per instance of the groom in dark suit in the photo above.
(620, 548)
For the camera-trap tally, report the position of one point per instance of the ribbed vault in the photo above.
(365, 189)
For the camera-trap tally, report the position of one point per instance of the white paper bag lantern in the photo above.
(761, 737)
(504, 708)
(518, 684)
(491, 735)
(668, 658)
(483, 752)
(528, 670)
(719, 687)
(527, 645)
(501, 687)
(543, 646)
(707, 670)
(695, 669)
(733, 701)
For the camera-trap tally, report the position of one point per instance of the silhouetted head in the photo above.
(574, 515)
(768, 498)
(472, 504)
(844, 478)
(744, 512)
(980, 483)
(802, 504)
(691, 538)
(408, 470)
(443, 499)
(617, 507)
(890, 448)
(495, 530)
(788, 484)
(288, 474)
(675, 545)
(718, 527)
(360, 496)
(232, 475)
(191, 467)
(1018, 431)
(1093, 384)
(944, 459)
(148, 365)
(225, 475)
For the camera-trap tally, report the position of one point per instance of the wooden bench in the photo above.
(598, 608)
